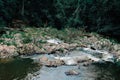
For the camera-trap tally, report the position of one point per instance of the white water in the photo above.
(90, 72)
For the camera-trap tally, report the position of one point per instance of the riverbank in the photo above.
(29, 41)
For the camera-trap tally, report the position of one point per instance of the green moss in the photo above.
(42, 41)
(40, 46)
(27, 40)
(1, 41)
(10, 43)
(7, 36)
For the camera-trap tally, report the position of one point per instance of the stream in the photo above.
(28, 68)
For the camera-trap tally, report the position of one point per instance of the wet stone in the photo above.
(50, 64)
(54, 63)
(43, 59)
(72, 72)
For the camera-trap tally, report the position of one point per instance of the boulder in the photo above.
(7, 51)
(54, 63)
(72, 72)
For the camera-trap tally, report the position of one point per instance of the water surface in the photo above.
(17, 69)
(26, 69)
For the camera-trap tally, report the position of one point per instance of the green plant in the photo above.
(7, 36)
(27, 40)
(1, 41)
(42, 41)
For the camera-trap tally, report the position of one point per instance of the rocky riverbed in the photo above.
(49, 40)
(74, 56)
(82, 63)
(79, 55)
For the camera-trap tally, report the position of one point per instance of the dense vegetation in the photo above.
(102, 16)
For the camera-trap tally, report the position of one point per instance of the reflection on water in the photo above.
(108, 71)
(16, 69)
(19, 69)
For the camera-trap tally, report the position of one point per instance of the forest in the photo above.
(101, 16)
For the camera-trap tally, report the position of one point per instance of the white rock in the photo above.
(94, 58)
(75, 59)
(108, 57)
(68, 60)
(54, 41)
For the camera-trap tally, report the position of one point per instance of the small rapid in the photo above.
(79, 64)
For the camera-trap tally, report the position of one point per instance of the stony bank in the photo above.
(29, 41)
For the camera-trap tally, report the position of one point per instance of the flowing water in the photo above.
(26, 69)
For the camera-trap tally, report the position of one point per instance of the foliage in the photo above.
(93, 15)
